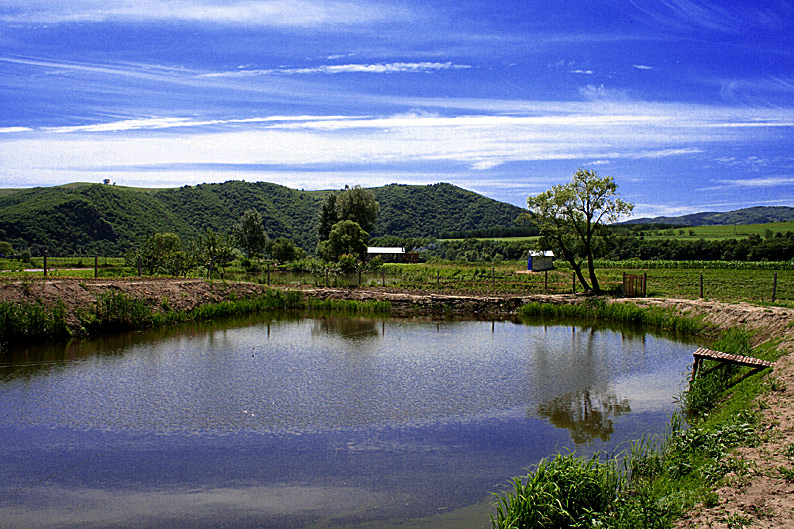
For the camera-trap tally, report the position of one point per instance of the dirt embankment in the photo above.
(187, 294)
(764, 499)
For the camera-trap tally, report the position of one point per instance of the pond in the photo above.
(285, 421)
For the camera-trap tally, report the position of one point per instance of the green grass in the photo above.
(719, 232)
(565, 491)
(118, 311)
(625, 312)
(26, 321)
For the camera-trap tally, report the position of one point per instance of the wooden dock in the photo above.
(707, 354)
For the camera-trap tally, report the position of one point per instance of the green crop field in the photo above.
(721, 232)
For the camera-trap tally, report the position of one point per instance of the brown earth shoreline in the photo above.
(766, 499)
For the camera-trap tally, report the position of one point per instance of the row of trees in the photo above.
(774, 247)
(344, 218)
(166, 253)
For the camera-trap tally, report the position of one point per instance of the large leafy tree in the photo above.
(249, 233)
(359, 205)
(327, 217)
(572, 219)
(346, 237)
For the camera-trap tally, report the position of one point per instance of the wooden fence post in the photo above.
(268, 274)
(546, 281)
(44, 265)
(438, 277)
(574, 282)
(701, 285)
(493, 278)
(383, 277)
(96, 266)
(645, 284)
(774, 287)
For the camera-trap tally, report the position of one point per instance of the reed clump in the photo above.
(627, 312)
(22, 321)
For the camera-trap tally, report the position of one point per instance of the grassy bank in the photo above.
(116, 311)
(656, 479)
(626, 312)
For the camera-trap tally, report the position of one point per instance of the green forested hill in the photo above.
(754, 215)
(422, 211)
(89, 219)
(108, 220)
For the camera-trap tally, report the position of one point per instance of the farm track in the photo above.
(766, 499)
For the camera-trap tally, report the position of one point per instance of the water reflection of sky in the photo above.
(333, 408)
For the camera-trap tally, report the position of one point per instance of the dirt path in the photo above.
(764, 500)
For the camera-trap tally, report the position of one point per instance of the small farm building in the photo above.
(540, 261)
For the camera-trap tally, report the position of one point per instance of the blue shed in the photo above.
(540, 261)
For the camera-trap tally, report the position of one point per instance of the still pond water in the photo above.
(314, 422)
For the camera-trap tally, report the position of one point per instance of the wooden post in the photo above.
(139, 266)
(359, 278)
(493, 277)
(268, 274)
(383, 277)
(96, 266)
(645, 284)
(438, 277)
(574, 282)
(624, 283)
(546, 281)
(774, 287)
(326, 278)
(44, 265)
(701, 285)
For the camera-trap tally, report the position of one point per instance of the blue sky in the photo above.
(689, 105)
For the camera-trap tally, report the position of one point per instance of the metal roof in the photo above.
(385, 249)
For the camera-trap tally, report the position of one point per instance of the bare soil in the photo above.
(764, 499)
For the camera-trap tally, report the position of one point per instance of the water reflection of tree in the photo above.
(350, 328)
(584, 414)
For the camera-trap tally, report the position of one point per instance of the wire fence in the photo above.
(725, 283)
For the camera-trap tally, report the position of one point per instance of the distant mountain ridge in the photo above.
(753, 215)
(99, 219)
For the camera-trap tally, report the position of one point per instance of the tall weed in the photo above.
(563, 492)
(21, 321)
(707, 388)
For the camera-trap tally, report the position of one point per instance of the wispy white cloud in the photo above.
(276, 13)
(694, 14)
(770, 181)
(395, 67)
(155, 123)
(642, 67)
(601, 93)
(602, 131)
(9, 130)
